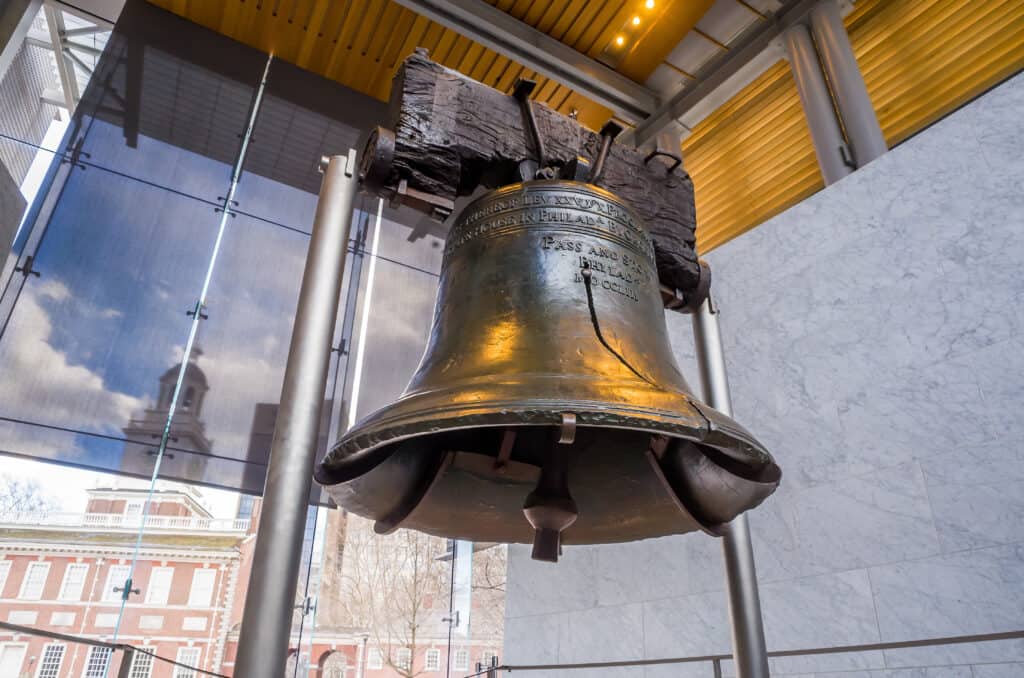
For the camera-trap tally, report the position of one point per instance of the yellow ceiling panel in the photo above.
(750, 159)
(753, 157)
(922, 59)
(361, 43)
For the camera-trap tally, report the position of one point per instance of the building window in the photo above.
(97, 662)
(142, 665)
(432, 661)
(5, 569)
(35, 580)
(133, 508)
(190, 396)
(193, 624)
(74, 581)
(335, 665)
(151, 622)
(202, 588)
(461, 660)
(117, 575)
(62, 619)
(487, 658)
(376, 659)
(403, 659)
(12, 656)
(159, 588)
(189, 656)
(22, 616)
(106, 620)
(49, 665)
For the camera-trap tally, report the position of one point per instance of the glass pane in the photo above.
(389, 340)
(302, 117)
(88, 339)
(169, 110)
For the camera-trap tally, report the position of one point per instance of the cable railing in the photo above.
(44, 520)
(716, 660)
(128, 652)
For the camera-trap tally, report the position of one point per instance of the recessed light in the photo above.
(649, 4)
(619, 40)
(636, 21)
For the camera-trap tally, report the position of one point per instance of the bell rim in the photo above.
(387, 427)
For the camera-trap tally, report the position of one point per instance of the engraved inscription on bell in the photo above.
(548, 407)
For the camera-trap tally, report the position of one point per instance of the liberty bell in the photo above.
(548, 407)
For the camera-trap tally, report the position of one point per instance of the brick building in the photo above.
(59, 572)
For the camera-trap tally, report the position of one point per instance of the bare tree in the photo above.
(20, 497)
(394, 586)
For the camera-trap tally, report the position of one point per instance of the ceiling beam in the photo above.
(741, 52)
(497, 30)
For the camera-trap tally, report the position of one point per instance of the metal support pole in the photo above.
(829, 144)
(270, 598)
(748, 646)
(124, 670)
(851, 95)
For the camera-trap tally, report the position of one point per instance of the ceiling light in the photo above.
(619, 40)
(636, 21)
(649, 4)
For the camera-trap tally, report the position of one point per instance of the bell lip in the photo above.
(371, 441)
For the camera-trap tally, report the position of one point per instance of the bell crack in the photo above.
(597, 326)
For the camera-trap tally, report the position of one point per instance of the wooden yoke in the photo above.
(452, 134)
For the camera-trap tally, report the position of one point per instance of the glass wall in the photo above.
(145, 315)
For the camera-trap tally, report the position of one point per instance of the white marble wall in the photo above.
(875, 339)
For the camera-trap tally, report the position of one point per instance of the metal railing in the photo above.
(127, 651)
(716, 659)
(46, 520)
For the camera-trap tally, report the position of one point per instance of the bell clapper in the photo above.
(550, 508)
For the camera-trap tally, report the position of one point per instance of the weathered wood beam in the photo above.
(453, 134)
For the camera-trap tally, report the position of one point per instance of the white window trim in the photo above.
(42, 657)
(150, 599)
(88, 655)
(434, 665)
(180, 671)
(23, 646)
(5, 571)
(463, 665)
(403, 659)
(137, 657)
(109, 595)
(204, 572)
(76, 567)
(375, 659)
(24, 582)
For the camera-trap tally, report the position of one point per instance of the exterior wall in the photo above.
(875, 338)
(162, 627)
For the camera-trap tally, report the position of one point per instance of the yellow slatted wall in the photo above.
(921, 59)
(750, 159)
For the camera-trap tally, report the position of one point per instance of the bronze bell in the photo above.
(549, 388)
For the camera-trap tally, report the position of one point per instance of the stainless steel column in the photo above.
(748, 646)
(817, 104)
(851, 95)
(270, 597)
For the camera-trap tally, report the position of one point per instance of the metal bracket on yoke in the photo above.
(676, 160)
(521, 92)
(609, 131)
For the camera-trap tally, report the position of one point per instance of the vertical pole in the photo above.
(127, 654)
(816, 100)
(748, 646)
(270, 598)
(851, 95)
